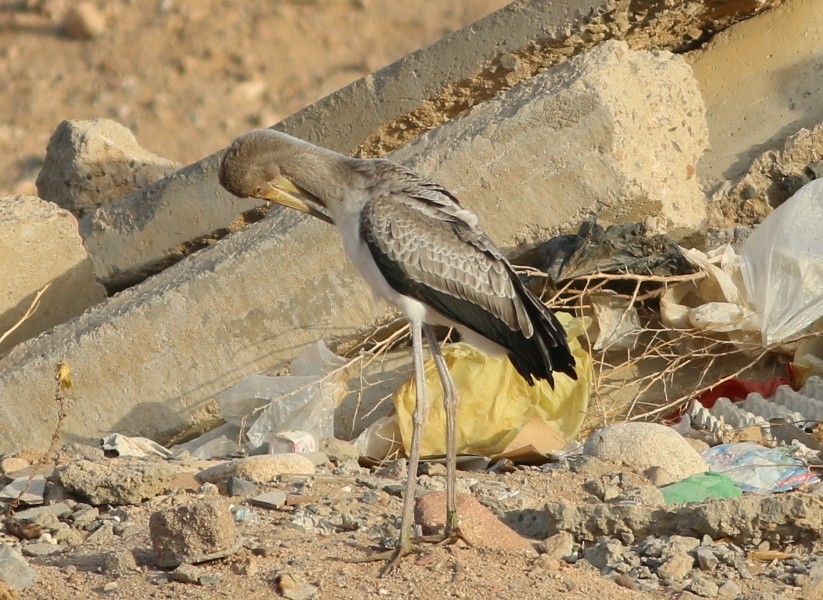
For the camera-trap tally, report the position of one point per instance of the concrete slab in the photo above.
(133, 235)
(152, 359)
(39, 246)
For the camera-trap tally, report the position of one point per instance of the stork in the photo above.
(422, 252)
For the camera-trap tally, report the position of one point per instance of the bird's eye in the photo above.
(258, 191)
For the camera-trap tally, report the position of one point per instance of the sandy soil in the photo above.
(186, 77)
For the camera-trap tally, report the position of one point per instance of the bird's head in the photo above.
(253, 166)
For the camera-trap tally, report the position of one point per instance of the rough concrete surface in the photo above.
(613, 132)
(152, 359)
(641, 446)
(93, 163)
(40, 245)
(143, 230)
(192, 533)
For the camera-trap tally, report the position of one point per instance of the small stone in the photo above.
(396, 469)
(119, 563)
(729, 590)
(111, 587)
(703, 586)
(69, 537)
(706, 558)
(659, 476)
(237, 486)
(41, 549)
(84, 517)
(433, 469)
(29, 489)
(103, 535)
(676, 568)
(559, 546)
(84, 21)
(187, 573)
(193, 533)
(292, 588)
(30, 514)
(591, 467)
(11, 464)
(273, 499)
(605, 553)
(14, 569)
(339, 451)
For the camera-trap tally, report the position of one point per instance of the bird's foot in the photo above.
(446, 538)
(392, 558)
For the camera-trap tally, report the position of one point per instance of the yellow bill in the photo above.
(285, 193)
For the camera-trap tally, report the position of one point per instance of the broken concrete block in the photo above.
(92, 163)
(614, 132)
(40, 246)
(640, 446)
(194, 533)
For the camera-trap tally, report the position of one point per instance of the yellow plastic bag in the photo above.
(495, 403)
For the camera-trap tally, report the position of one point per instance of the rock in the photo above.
(479, 525)
(103, 535)
(30, 514)
(659, 476)
(795, 516)
(676, 567)
(604, 553)
(28, 489)
(15, 571)
(193, 533)
(84, 517)
(591, 468)
(84, 21)
(92, 163)
(632, 121)
(73, 451)
(116, 481)
(641, 446)
(679, 544)
(40, 549)
(706, 558)
(559, 546)
(294, 588)
(40, 246)
(274, 499)
(703, 586)
(259, 469)
(10, 464)
(339, 451)
(729, 589)
(237, 486)
(191, 574)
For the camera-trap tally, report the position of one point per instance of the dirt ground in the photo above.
(186, 77)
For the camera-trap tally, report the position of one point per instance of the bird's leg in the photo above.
(452, 532)
(404, 545)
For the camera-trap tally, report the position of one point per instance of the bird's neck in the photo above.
(321, 172)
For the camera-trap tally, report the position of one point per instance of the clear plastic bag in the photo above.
(782, 265)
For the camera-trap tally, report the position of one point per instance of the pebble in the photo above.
(706, 558)
(704, 586)
(237, 486)
(84, 21)
(41, 549)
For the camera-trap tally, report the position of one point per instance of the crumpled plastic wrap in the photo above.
(495, 404)
(782, 265)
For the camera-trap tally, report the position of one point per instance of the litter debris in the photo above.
(755, 468)
(782, 265)
(700, 487)
(623, 248)
(26, 488)
(496, 404)
(124, 445)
